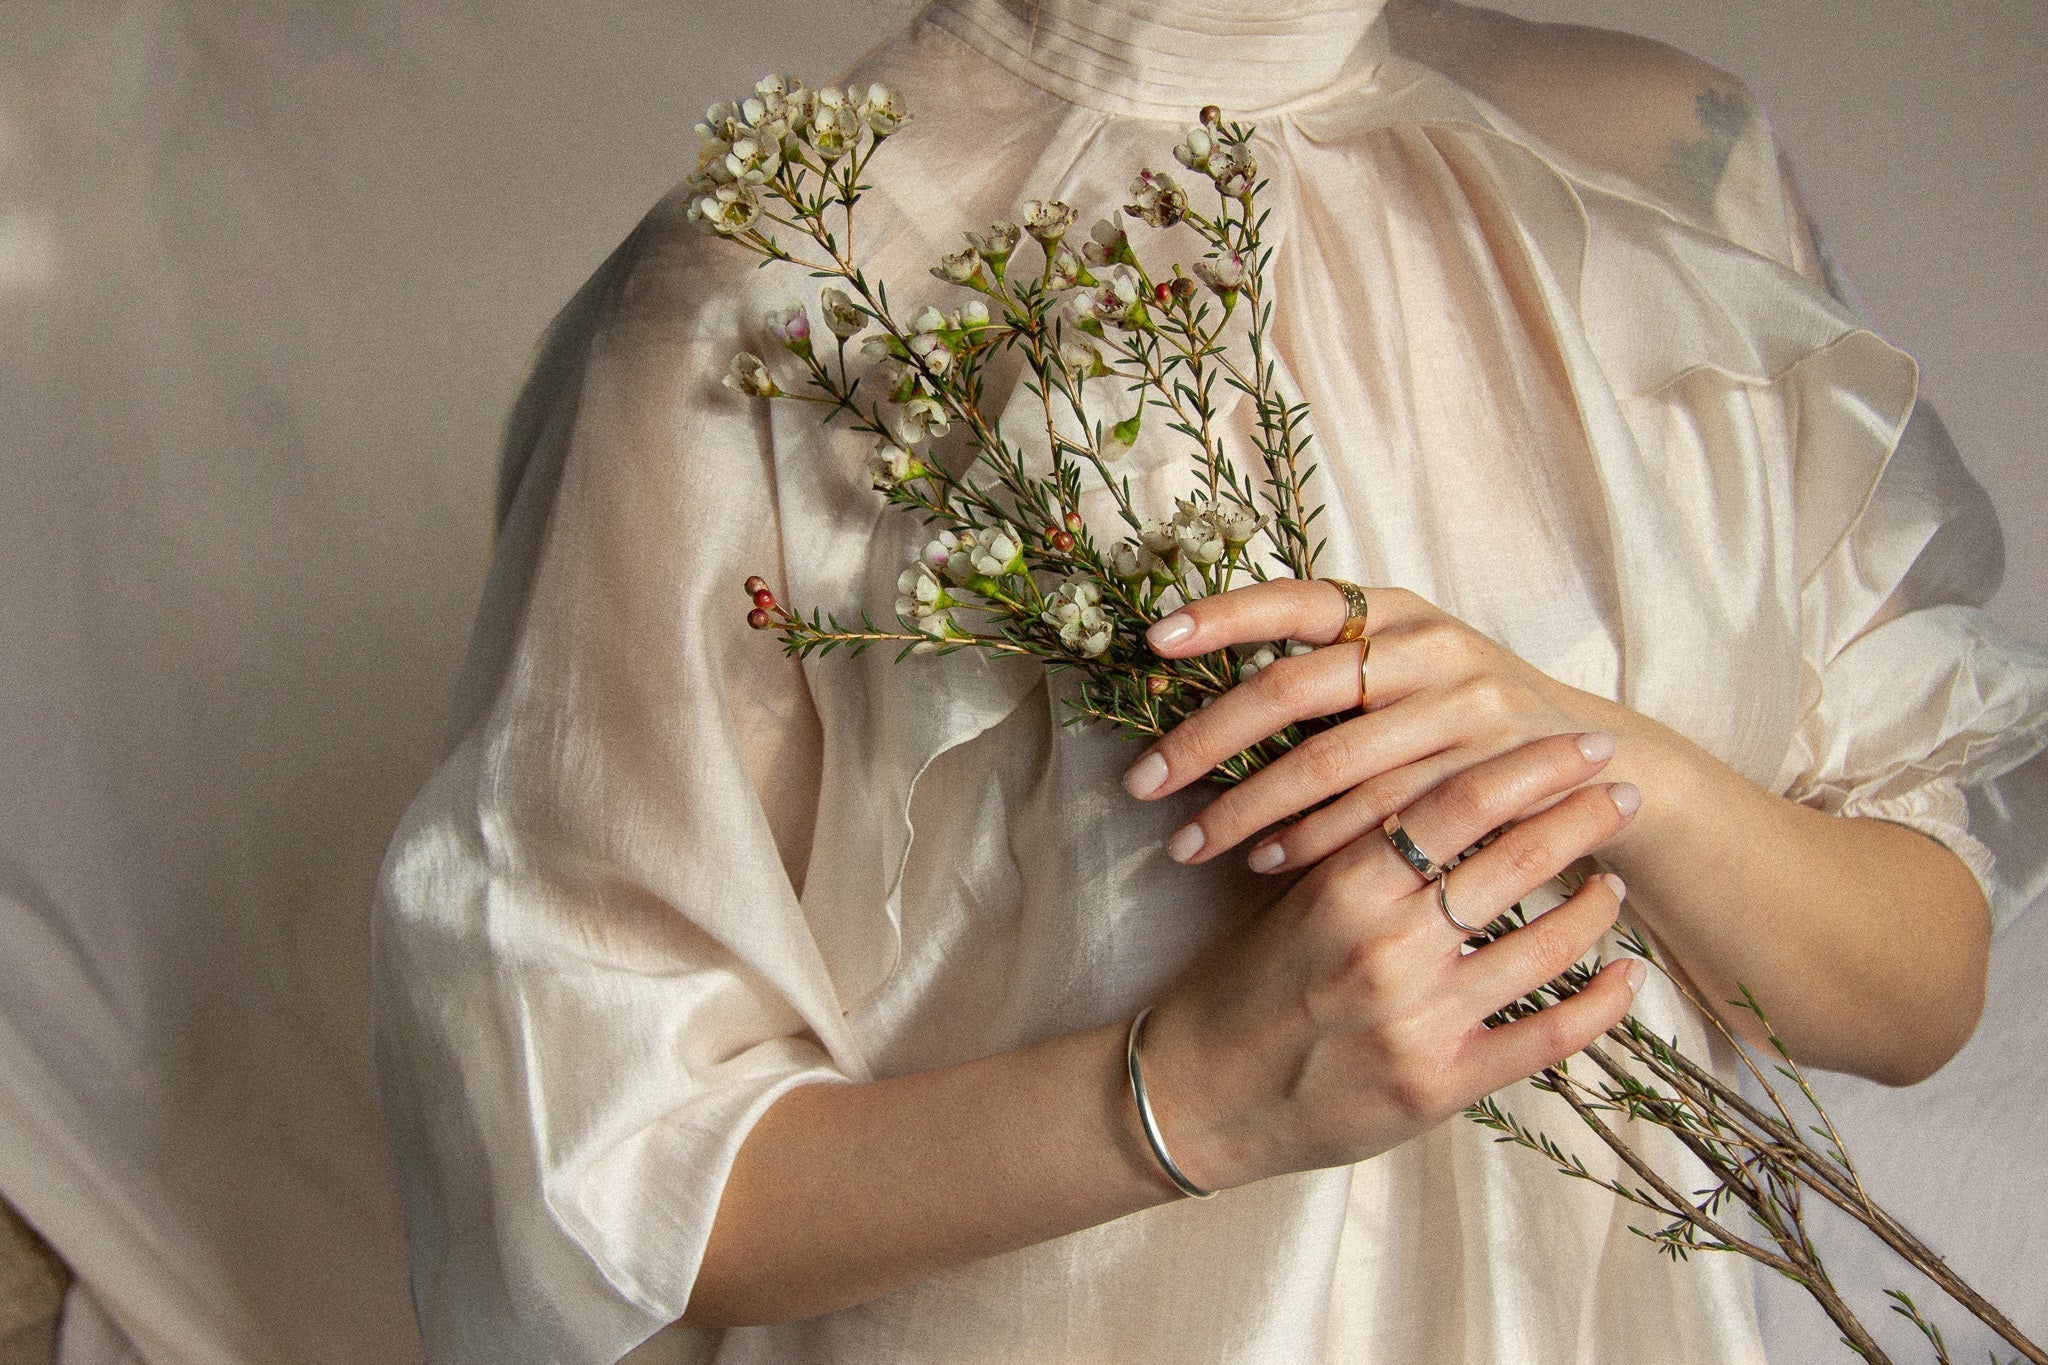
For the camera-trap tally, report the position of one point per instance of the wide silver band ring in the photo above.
(1443, 903)
(1424, 867)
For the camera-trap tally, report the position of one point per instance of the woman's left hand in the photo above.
(1440, 698)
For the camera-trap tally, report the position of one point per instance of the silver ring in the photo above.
(1405, 846)
(1443, 903)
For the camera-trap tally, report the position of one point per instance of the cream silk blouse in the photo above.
(1581, 376)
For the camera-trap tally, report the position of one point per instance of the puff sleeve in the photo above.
(593, 967)
(1916, 705)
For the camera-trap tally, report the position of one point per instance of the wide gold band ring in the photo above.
(1354, 610)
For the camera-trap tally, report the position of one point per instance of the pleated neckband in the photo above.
(1166, 58)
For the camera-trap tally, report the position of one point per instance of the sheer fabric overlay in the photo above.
(1580, 375)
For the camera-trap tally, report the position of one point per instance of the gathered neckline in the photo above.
(1164, 59)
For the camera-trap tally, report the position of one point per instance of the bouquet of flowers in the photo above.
(1013, 567)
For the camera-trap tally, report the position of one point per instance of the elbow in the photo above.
(1945, 1007)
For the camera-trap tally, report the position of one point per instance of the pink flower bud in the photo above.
(758, 619)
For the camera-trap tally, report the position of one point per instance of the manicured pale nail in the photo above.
(1266, 857)
(1616, 885)
(1185, 843)
(1598, 746)
(1171, 630)
(1637, 972)
(1145, 776)
(1626, 797)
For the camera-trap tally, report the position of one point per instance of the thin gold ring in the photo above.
(1354, 610)
(1364, 662)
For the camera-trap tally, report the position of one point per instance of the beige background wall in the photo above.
(269, 270)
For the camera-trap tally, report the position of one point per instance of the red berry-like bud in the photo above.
(758, 619)
(1183, 287)
(1074, 522)
(1163, 292)
(1211, 116)
(1158, 684)
(1062, 542)
(756, 584)
(763, 598)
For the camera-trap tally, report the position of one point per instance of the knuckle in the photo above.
(1551, 944)
(1489, 694)
(1532, 859)
(1372, 967)
(1325, 759)
(1418, 1087)
(1467, 802)
(1285, 687)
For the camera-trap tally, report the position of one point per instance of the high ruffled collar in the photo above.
(1166, 58)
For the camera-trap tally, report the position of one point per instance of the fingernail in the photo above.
(1637, 971)
(1266, 857)
(1626, 797)
(1598, 746)
(1145, 776)
(1185, 843)
(1170, 630)
(1616, 885)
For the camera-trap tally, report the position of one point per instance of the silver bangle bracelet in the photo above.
(1145, 1118)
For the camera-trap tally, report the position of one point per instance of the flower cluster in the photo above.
(746, 145)
(1078, 310)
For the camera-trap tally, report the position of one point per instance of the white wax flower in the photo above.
(940, 549)
(754, 160)
(1263, 658)
(841, 315)
(1076, 612)
(961, 267)
(971, 316)
(1158, 537)
(1157, 198)
(889, 465)
(1197, 534)
(1235, 170)
(882, 109)
(960, 563)
(1225, 274)
(927, 319)
(748, 375)
(1047, 220)
(998, 242)
(922, 419)
(1236, 522)
(1064, 271)
(1133, 562)
(790, 325)
(998, 553)
(930, 347)
(1106, 242)
(725, 210)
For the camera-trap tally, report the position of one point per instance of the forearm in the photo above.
(843, 1193)
(1866, 943)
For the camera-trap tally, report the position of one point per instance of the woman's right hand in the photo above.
(1348, 1018)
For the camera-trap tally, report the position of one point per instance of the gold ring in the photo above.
(1354, 610)
(1364, 661)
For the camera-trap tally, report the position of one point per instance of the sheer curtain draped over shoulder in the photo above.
(1582, 375)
